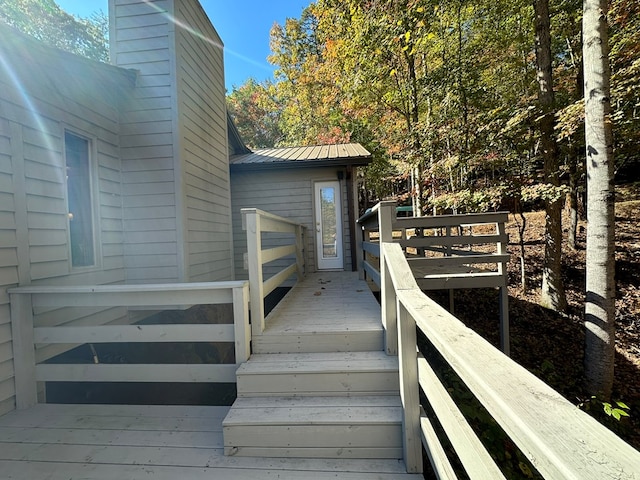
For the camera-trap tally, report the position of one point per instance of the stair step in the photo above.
(319, 341)
(322, 427)
(344, 373)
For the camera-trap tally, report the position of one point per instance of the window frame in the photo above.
(93, 189)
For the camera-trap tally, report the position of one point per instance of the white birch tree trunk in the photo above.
(600, 266)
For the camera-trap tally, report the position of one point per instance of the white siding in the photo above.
(37, 104)
(142, 39)
(203, 147)
(288, 193)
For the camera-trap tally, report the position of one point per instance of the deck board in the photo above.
(326, 302)
(161, 442)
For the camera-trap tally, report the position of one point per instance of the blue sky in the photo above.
(243, 25)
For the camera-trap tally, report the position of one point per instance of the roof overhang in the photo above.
(347, 154)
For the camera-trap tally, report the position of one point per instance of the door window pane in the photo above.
(328, 223)
(79, 200)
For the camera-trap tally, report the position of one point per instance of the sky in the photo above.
(243, 25)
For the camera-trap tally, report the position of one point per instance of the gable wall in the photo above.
(202, 123)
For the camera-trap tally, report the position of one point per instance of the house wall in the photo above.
(141, 38)
(203, 147)
(42, 93)
(174, 144)
(288, 193)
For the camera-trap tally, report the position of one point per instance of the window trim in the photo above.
(93, 189)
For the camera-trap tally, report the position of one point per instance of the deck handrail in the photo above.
(463, 254)
(560, 440)
(256, 222)
(29, 371)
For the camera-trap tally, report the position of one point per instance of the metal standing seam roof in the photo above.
(347, 153)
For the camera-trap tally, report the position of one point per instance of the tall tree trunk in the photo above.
(600, 268)
(552, 295)
(573, 197)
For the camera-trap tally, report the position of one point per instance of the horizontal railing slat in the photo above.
(276, 280)
(372, 248)
(133, 299)
(463, 280)
(135, 333)
(435, 452)
(272, 225)
(454, 261)
(192, 373)
(428, 241)
(372, 272)
(472, 454)
(266, 216)
(437, 221)
(275, 253)
(139, 289)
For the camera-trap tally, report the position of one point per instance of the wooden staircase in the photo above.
(320, 386)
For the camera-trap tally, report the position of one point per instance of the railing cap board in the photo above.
(263, 214)
(559, 439)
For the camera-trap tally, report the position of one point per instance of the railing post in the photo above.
(408, 364)
(504, 295)
(300, 260)
(24, 359)
(360, 254)
(386, 214)
(242, 329)
(254, 260)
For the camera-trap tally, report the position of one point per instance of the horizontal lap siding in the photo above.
(142, 40)
(203, 147)
(56, 92)
(287, 193)
(8, 267)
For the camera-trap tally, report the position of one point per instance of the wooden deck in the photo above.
(326, 305)
(332, 311)
(57, 442)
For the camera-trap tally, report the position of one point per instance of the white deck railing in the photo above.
(560, 440)
(25, 336)
(466, 251)
(256, 223)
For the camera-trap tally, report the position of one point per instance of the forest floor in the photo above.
(551, 345)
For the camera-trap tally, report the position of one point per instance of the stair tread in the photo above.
(321, 363)
(315, 411)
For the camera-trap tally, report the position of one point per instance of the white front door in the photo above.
(328, 217)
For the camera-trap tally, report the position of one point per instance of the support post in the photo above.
(409, 395)
(242, 329)
(24, 358)
(386, 214)
(504, 294)
(256, 284)
(300, 252)
(362, 255)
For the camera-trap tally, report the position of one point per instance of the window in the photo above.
(79, 200)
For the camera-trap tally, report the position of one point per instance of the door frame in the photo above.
(328, 263)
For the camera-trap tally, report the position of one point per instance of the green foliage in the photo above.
(255, 113)
(615, 412)
(447, 89)
(46, 21)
